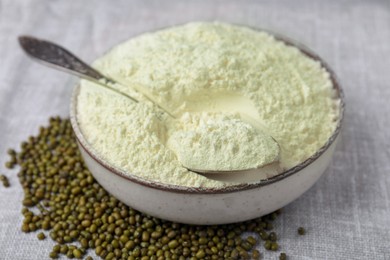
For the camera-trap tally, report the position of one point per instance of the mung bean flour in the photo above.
(210, 76)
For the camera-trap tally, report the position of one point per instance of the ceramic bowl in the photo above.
(208, 206)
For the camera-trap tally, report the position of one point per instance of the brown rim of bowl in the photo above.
(228, 189)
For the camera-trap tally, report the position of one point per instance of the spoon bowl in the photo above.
(247, 175)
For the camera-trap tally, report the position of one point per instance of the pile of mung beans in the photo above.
(79, 215)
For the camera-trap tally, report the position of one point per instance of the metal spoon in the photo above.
(55, 56)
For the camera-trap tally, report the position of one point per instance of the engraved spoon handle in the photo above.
(55, 56)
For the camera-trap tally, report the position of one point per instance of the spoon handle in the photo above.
(56, 56)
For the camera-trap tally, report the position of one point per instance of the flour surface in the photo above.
(218, 142)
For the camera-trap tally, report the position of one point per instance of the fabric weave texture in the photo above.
(346, 214)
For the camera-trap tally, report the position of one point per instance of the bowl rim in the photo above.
(224, 189)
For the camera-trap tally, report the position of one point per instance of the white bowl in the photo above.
(207, 206)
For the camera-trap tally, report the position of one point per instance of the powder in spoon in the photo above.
(206, 67)
(217, 142)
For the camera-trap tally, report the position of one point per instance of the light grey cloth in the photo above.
(346, 214)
